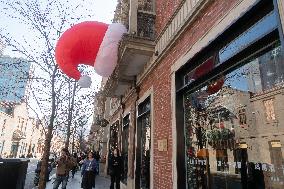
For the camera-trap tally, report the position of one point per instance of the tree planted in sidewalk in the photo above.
(46, 21)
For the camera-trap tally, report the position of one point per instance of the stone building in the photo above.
(196, 96)
(20, 134)
(2, 47)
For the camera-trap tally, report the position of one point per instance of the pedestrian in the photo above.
(98, 157)
(64, 165)
(38, 170)
(81, 161)
(115, 169)
(74, 168)
(89, 172)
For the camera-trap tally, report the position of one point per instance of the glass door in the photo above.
(143, 145)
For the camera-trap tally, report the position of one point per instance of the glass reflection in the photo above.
(235, 130)
(146, 143)
(145, 123)
(125, 143)
(113, 141)
(261, 28)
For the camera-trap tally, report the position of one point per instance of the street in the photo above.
(75, 183)
(31, 174)
(101, 182)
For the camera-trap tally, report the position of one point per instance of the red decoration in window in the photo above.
(215, 86)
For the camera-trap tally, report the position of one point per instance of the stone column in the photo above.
(131, 146)
(133, 16)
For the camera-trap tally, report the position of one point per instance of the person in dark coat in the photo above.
(98, 157)
(115, 169)
(89, 172)
(74, 168)
(38, 170)
(81, 160)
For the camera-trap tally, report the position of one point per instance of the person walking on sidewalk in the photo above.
(89, 172)
(115, 169)
(38, 170)
(98, 157)
(75, 166)
(64, 165)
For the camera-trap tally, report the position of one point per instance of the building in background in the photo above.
(100, 129)
(2, 47)
(20, 135)
(14, 78)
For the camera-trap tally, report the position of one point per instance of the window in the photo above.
(113, 140)
(125, 143)
(269, 110)
(143, 145)
(257, 31)
(275, 148)
(242, 116)
(217, 96)
(3, 128)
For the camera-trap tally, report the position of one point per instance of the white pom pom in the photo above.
(106, 59)
(85, 81)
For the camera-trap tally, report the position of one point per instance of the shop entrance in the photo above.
(143, 145)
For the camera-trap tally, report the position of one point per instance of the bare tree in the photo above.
(46, 21)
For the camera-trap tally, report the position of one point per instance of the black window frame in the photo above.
(124, 154)
(144, 110)
(113, 143)
(252, 16)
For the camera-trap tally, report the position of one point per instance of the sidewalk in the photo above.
(75, 183)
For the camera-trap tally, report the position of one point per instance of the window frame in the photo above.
(266, 43)
(124, 126)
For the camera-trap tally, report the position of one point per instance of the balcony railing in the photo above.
(145, 24)
(138, 16)
(136, 47)
(146, 19)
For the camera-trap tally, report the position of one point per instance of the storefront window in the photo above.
(144, 134)
(125, 135)
(261, 28)
(234, 129)
(113, 141)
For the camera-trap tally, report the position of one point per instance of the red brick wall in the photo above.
(160, 79)
(164, 10)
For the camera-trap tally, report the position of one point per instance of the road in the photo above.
(31, 174)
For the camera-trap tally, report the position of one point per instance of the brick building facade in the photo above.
(176, 58)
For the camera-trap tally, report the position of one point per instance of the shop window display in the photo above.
(125, 143)
(113, 142)
(144, 144)
(220, 152)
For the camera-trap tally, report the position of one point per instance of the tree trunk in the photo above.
(73, 140)
(48, 136)
(46, 152)
(70, 115)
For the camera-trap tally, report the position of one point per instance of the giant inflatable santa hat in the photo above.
(91, 43)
